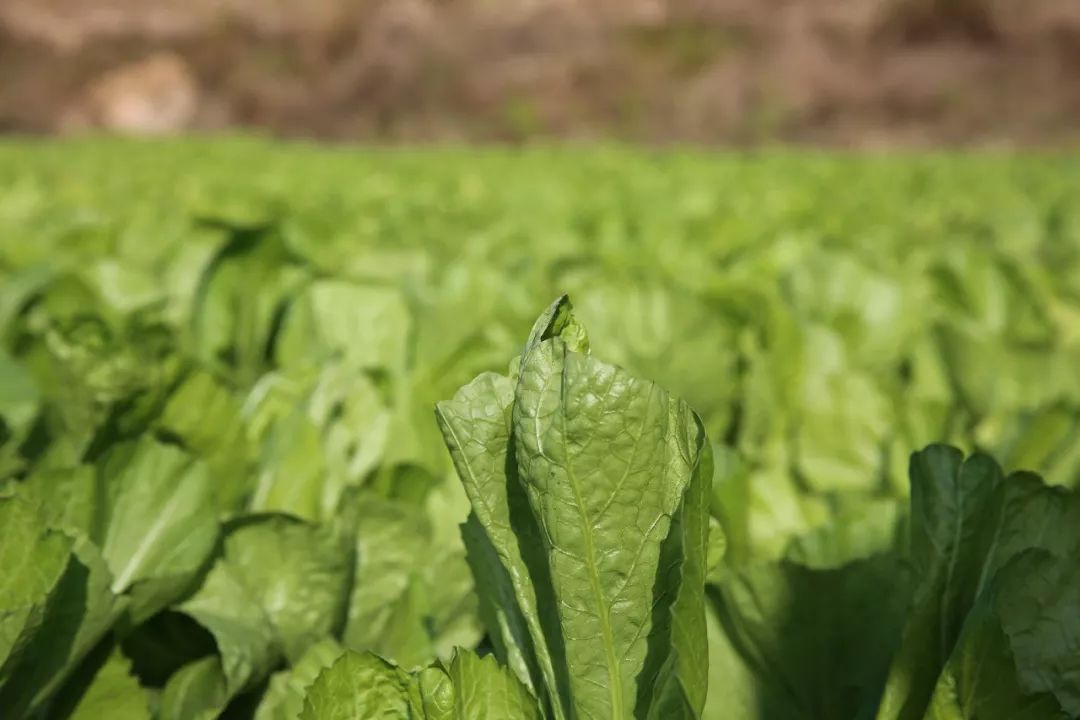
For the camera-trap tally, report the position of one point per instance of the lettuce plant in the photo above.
(972, 616)
(615, 572)
(587, 539)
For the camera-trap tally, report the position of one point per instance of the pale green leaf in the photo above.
(392, 546)
(504, 542)
(284, 697)
(197, 691)
(157, 525)
(605, 459)
(296, 572)
(677, 687)
(359, 686)
(484, 689)
(205, 416)
(80, 611)
(113, 694)
(365, 325)
(34, 559)
(66, 498)
(248, 647)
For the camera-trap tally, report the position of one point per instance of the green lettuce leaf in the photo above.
(113, 693)
(279, 588)
(473, 687)
(595, 468)
(80, 611)
(34, 558)
(284, 698)
(503, 538)
(271, 558)
(1037, 598)
(205, 416)
(20, 403)
(197, 691)
(980, 679)
(465, 688)
(157, 527)
(412, 597)
(968, 523)
(360, 686)
(809, 642)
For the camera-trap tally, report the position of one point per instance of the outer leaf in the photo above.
(297, 573)
(197, 691)
(346, 403)
(19, 404)
(66, 498)
(158, 524)
(1029, 515)
(1038, 605)
(760, 509)
(279, 588)
(476, 426)
(80, 611)
(359, 686)
(484, 689)
(733, 687)
(405, 635)
(34, 559)
(392, 544)
(861, 529)
(605, 459)
(159, 647)
(18, 396)
(817, 642)
(412, 598)
(248, 647)
(466, 688)
(980, 680)
(240, 293)
(366, 324)
(507, 627)
(284, 698)
(206, 417)
(452, 622)
(436, 691)
(679, 686)
(148, 506)
(113, 694)
(949, 501)
(292, 469)
(844, 416)
(967, 523)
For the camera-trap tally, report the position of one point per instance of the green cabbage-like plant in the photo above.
(587, 540)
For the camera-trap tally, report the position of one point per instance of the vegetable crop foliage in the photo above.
(223, 492)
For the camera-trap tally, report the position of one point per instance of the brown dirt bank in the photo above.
(834, 72)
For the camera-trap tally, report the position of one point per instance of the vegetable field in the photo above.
(295, 432)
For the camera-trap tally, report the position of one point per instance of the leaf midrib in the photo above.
(127, 573)
(954, 556)
(614, 676)
(531, 619)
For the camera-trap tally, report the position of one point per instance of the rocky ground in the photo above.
(858, 73)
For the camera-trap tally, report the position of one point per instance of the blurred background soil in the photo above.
(858, 73)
